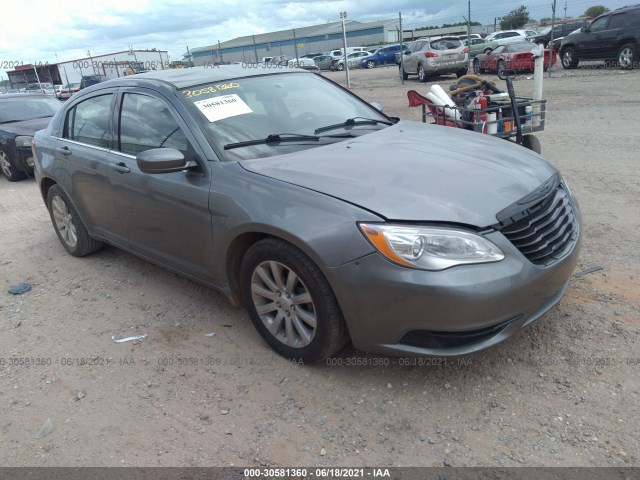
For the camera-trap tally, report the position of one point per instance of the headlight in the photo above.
(23, 141)
(430, 248)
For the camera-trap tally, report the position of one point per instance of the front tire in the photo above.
(290, 302)
(403, 74)
(68, 226)
(500, 66)
(9, 170)
(371, 64)
(627, 56)
(569, 58)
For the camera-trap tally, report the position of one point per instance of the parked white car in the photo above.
(352, 60)
(505, 37)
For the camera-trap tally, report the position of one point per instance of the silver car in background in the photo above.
(432, 56)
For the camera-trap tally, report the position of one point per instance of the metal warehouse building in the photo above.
(111, 65)
(296, 42)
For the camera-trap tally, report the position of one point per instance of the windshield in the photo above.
(27, 108)
(245, 109)
(521, 47)
(545, 31)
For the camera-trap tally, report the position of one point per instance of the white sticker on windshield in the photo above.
(219, 108)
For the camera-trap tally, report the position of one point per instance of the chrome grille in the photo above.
(546, 230)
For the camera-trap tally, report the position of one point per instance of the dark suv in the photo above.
(88, 80)
(559, 31)
(613, 36)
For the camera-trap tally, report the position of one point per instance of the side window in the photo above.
(618, 20)
(599, 24)
(88, 121)
(145, 123)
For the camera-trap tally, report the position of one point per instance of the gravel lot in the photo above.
(562, 393)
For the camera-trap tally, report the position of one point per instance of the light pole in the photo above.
(343, 16)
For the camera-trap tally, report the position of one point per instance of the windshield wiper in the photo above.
(353, 121)
(279, 138)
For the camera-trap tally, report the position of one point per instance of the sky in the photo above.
(64, 30)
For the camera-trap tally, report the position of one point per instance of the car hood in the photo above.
(416, 172)
(26, 127)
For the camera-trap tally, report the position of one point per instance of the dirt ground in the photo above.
(564, 392)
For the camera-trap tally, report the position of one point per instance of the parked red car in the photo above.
(515, 56)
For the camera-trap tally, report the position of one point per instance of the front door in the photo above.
(166, 215)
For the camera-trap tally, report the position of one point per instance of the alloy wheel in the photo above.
(284, 304)
(64, 221)
(5, 165)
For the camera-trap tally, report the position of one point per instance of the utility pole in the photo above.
(295, 45)
(219, 51)
(565, 13)
(469, 68)
(401, 49)
(343, 16)
(255, 50)
(91, 60)
(551, 51)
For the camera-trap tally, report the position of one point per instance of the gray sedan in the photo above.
(328, 220)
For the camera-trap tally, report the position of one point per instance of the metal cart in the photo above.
(521, 116)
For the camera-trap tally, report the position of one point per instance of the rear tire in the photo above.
(477, 69)
(290, 302)
(340, 67)
(500, 66)
(569, 58)
(462, 73)
(422, 73)
(403, 74)
(68, 226)
(627, 57)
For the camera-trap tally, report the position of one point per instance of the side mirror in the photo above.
(161, 160)
(407, 52)
(584, 29)
(376, 105)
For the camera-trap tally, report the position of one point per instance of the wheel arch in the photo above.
(46, 184)
(242, 242)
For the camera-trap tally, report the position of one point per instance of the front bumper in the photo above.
(396, 310)
(25, 160)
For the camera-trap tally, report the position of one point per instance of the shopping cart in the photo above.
(505, 115)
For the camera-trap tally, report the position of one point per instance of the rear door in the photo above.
(84, 146)
(166, 215)
(609, 36)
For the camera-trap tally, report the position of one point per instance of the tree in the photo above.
(593, 12)
(517, 18)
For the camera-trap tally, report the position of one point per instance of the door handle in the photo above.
(63, 150)
(120, 167)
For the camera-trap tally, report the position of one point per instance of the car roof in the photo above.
(187, 77)
(25, 95)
